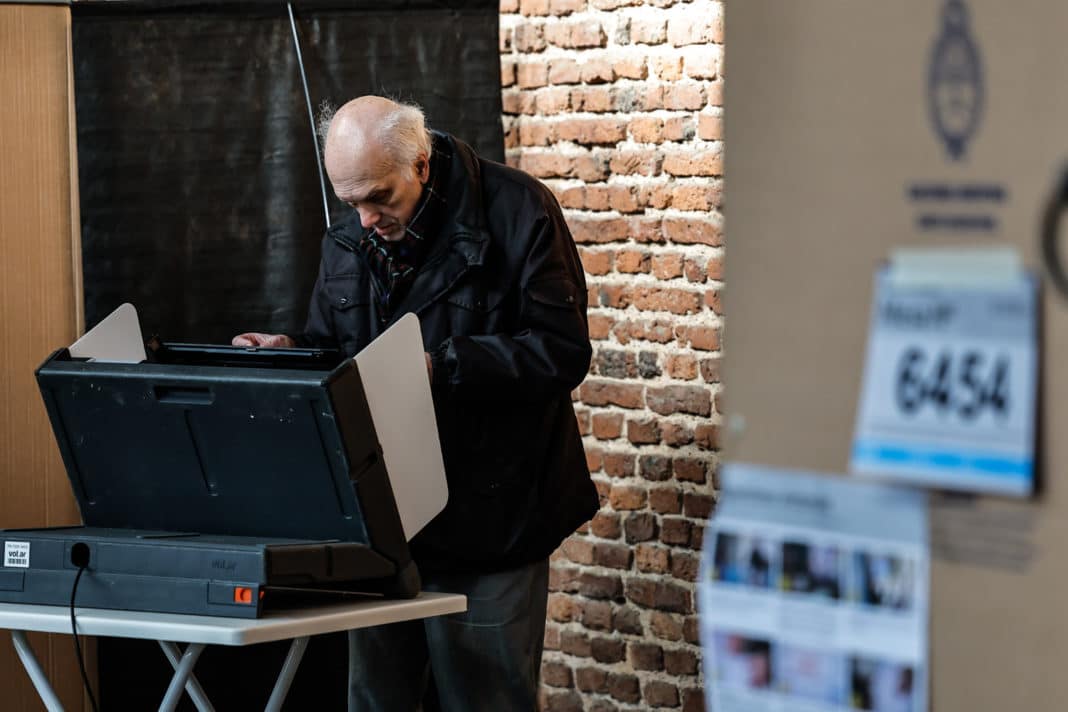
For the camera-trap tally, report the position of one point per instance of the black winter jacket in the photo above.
(501, 300)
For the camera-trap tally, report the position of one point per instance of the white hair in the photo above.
(402, 133)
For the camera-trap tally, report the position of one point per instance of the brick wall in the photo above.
(616, 105)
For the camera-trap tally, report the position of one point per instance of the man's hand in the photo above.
(269, 340)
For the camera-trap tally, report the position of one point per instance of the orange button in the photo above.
(242, 594)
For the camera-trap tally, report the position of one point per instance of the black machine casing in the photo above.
(195, 480)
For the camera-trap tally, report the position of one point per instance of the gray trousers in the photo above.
(487, 658)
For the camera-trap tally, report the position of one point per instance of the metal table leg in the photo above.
(181, 675)
(33, 669)
(285, 677)
(192, 686)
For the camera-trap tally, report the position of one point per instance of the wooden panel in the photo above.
(40, 296)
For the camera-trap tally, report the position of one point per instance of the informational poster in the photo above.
(950, 381)
(813, 595)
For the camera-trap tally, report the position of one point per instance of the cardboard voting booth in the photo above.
(856, 129)
(211, 478)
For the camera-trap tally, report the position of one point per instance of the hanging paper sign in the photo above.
(949, 392)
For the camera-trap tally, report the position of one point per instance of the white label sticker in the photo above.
(950, 387)
(17, 553)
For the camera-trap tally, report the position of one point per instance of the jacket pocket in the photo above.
(349, 310)
(558, 292)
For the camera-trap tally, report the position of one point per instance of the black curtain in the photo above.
(201, 205)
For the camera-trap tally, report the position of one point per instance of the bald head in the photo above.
(372, 135)
(377, 156)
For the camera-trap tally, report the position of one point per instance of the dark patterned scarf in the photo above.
(395, 263)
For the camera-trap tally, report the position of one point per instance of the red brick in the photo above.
(649, 364)
(530, 75)
(596, 615)
(564, 71)
(600, 326)
(690, 469)
(619, 464)
(702, 28)
(639, 526)
(655, 468)
(707, 162)
(665, 626)
(556, 674)
(676, 434)
(667, 67)
(598, 70)
(560, 700)
(714, 268)
(507, 72)
(552, 637)
(695, 400)
(563, 578)
(660, 595)
(698, 536)
(623, 198)
(632, 262)
(658, 693)
(593, 99)
(624, 687)
(596, 197)
(603, 488)
(676, 301)
(598, 230)
(691, 630)
(575, 643)
(675, 531)
(625, 395)
(698, 506)
(641, 162)
(693, 699)
(569, 196)
(707, 437)
(580, 551)
(529, 37)
(702, 62)
(552, 100)
(645, 656)
(685, 567)
(712, 301)
(637, 97)
(591, 679)
(607, 650)
(593, 459)
(534, 7)
(592, 131)
(600, 587)
(655, 196)
(701, 197)
(664, 500)
(597, 262)
(702, 338)
(695, 271)
(683, 367)
(545, 165)
(590, 167)
(648, 31)
(646, 129)
(624, 498)
(709, 127)
(612, 556)
(689, 96)
(667, 266)
(606, 525)
(535, 133)
(575, 35)
(566, 7)
(627, 619)
(509, 6)
(678, 128)
(607, 426)
(614, 363)
(643, 432)
(651, 559)
(628, 65)
(582, 416)
(616, 296)
(680, 662)
(647, 230)
(561, 607)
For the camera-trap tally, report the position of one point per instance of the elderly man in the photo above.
(481, 253)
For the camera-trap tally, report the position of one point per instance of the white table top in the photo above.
(212, 630)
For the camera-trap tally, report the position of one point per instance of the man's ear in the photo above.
(422, 168)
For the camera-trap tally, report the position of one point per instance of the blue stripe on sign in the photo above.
(949, 460)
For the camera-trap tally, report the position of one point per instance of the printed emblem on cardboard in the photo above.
(955, 81)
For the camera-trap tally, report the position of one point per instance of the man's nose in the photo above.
(368, 218)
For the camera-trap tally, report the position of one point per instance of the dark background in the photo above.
(200, 203)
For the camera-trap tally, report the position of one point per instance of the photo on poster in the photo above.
(742, 559)
(743, 662)
(882, 685)
(883, 580)
(811, 569)
(811, 674)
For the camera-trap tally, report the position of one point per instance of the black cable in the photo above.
(77, 645)
(311, 112)
(1051, 253)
